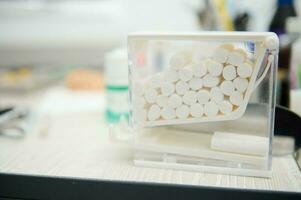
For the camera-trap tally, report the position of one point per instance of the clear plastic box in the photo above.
(203, 101)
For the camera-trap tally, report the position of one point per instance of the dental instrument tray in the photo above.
(203, 101)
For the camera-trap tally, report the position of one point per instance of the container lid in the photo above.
(116, 67)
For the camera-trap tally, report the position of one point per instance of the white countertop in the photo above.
(74, 143)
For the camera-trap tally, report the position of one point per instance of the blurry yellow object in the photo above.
(84, 79)
(225, 21)
(13, 77)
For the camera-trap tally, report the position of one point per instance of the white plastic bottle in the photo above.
(116, 80)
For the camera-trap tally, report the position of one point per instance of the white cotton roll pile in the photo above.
(204, 87)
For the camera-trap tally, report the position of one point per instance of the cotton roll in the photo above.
(155, 81)
(168, 113)
(227, 87)
(182, 112)
(203, 96)
(236, 98)
(190, 97)
(196, 110)
(225, 107)
(182, 87)
(179, 60)
(138, 101)
(199, 69)
(196, 83)
(216, 95)
(220, 55)
(151, 95)
(244, 70)
(210, 109)
(185, 74)
(229, 72)
(167, 88)
(154, 112)
(237, 57)
(174, 101)
(210, 81)
(171, 75)
(162, 100)
(215, 68)
(241, 84)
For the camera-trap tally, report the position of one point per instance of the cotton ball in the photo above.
(154, 112)
(229, 72)
(225, 107)
(168, 113)
(174, 101)
(185, 74)
(190, 97)
(162, 100)
(216, 95)
(210, 81)
(151, 95)
(227, 87)
(245, 70)
(182, 87)
(241, 84)
(182, 112)
(237, 57)
(199, 69)
(167, 88)
(203, 96)
(210, 109)
(155, 81)
(215, 68)
(221, 54)
(196, 83)
(236, 98)
(196, 110)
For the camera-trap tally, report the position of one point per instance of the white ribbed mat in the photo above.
(77, 146)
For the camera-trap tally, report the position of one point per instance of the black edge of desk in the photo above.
(13, 186)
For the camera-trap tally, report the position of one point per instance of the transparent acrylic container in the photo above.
(203, 101)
